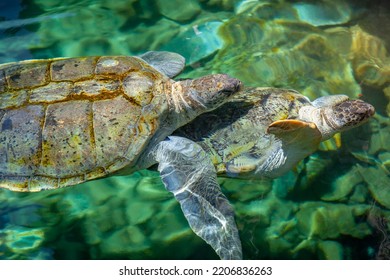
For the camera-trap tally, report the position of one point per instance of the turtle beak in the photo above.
(365, 108)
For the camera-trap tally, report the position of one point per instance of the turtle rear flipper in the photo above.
(188, 173)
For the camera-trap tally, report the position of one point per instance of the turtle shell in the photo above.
(64, 121)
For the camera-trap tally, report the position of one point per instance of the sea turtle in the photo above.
(259, 133)
(263, 132)
(68, 120)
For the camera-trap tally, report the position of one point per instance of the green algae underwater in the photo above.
(334, 205)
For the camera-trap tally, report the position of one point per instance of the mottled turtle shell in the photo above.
(64, 121)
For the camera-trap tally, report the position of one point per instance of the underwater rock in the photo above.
(52, 4)
(378, 181)
(22, 40)
(97, 207)
(269, 225)
(179, 10)
(305, 249)
(366, 53)
(22, 239)
(278, 245)
(360, 194)
(244, 5)
(168, 224)
(322, 13)
(282, 232)
(375, 168)
(241, 30)
(143, 38)
(123, 220)
(123, 7)
(267, 10)
(127, 241)
(283, 54)
(168, 229)
(20, 23)
(340, 38)
(319, 13)
(24, 215)
(107, 219)
(370, 59)
(380, 135)
(281, 186)
(330, 250)
(375, 20)
(23, 243)
(76, 203)
(110, 211)
(343, 185)
(88, 46)
(29, 211)
(387, 95)
(245, 190)
(324, 249)
(17, 47)
(379, 219)
(270, 209)
(91, 231)
(197, 41)
(303, 178)
(227, 5)
(99, 192)
(138, 212)
(95, 20)
(330, 220)
(311, 170)
(384, 159)
(149, 187)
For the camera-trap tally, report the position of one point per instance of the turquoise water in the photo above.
(333, 205)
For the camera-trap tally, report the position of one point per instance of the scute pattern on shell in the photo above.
(78, 112)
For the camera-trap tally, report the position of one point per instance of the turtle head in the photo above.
(337, 113)
(194, 97)
(350, 113)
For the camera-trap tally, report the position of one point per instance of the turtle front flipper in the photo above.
(188, 173)
(169, 63)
